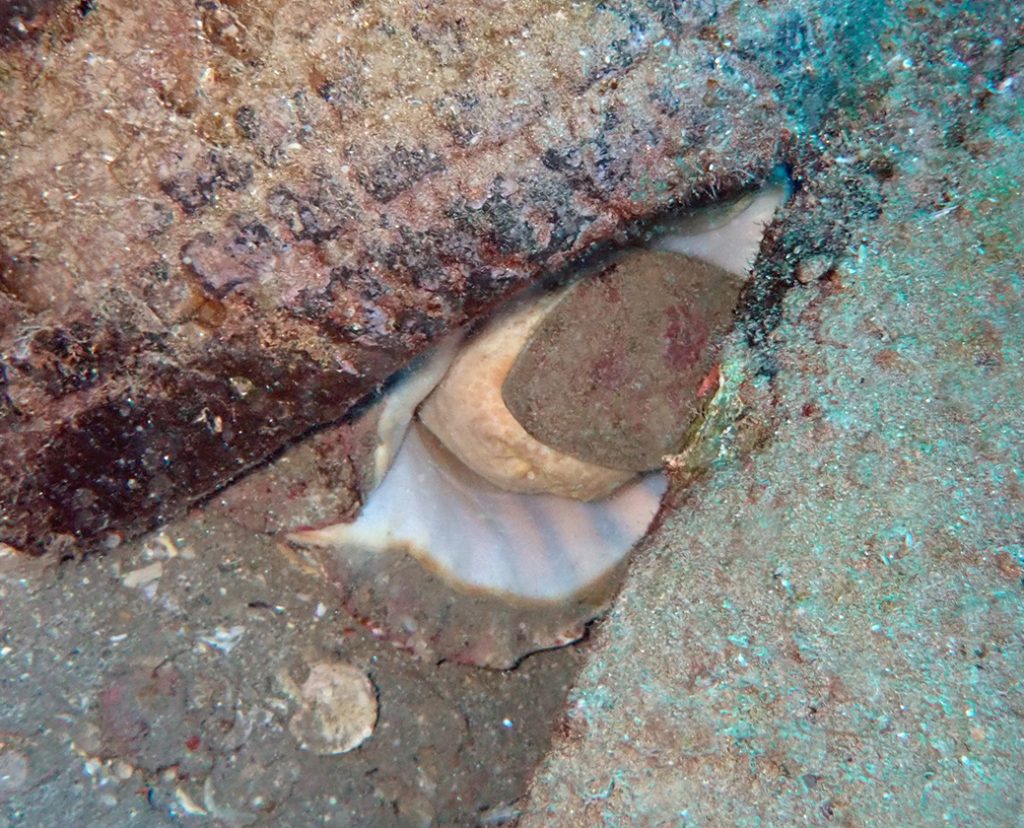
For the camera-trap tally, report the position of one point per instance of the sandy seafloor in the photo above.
(827, 630)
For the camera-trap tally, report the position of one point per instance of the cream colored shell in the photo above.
(467, 413)
(479, 535)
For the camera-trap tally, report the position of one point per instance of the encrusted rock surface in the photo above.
(225, 223)
(830, 630)
(174, 681)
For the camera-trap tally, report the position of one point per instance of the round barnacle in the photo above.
(533, 464)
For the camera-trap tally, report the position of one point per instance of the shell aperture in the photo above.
(454, 499)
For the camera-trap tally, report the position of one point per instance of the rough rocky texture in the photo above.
(173, 682)
(421, 612)
(830, 630)
(23, 19)
(225, 223)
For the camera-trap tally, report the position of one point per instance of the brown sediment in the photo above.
(399, 594)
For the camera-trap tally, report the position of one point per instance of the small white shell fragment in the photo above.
(338, 709)
(145, 575)
(224, 639)
(536, 547)
(188, 805)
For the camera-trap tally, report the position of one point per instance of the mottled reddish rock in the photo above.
(226, 223)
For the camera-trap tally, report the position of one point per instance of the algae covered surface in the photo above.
(829, 629)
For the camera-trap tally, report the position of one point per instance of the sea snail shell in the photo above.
(538, 506)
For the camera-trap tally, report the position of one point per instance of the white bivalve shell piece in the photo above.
(337, 709)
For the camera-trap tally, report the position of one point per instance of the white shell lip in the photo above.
(732, 243)
(534, 547)
(402, 400)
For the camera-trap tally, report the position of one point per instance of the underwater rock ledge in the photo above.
(223, 228)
